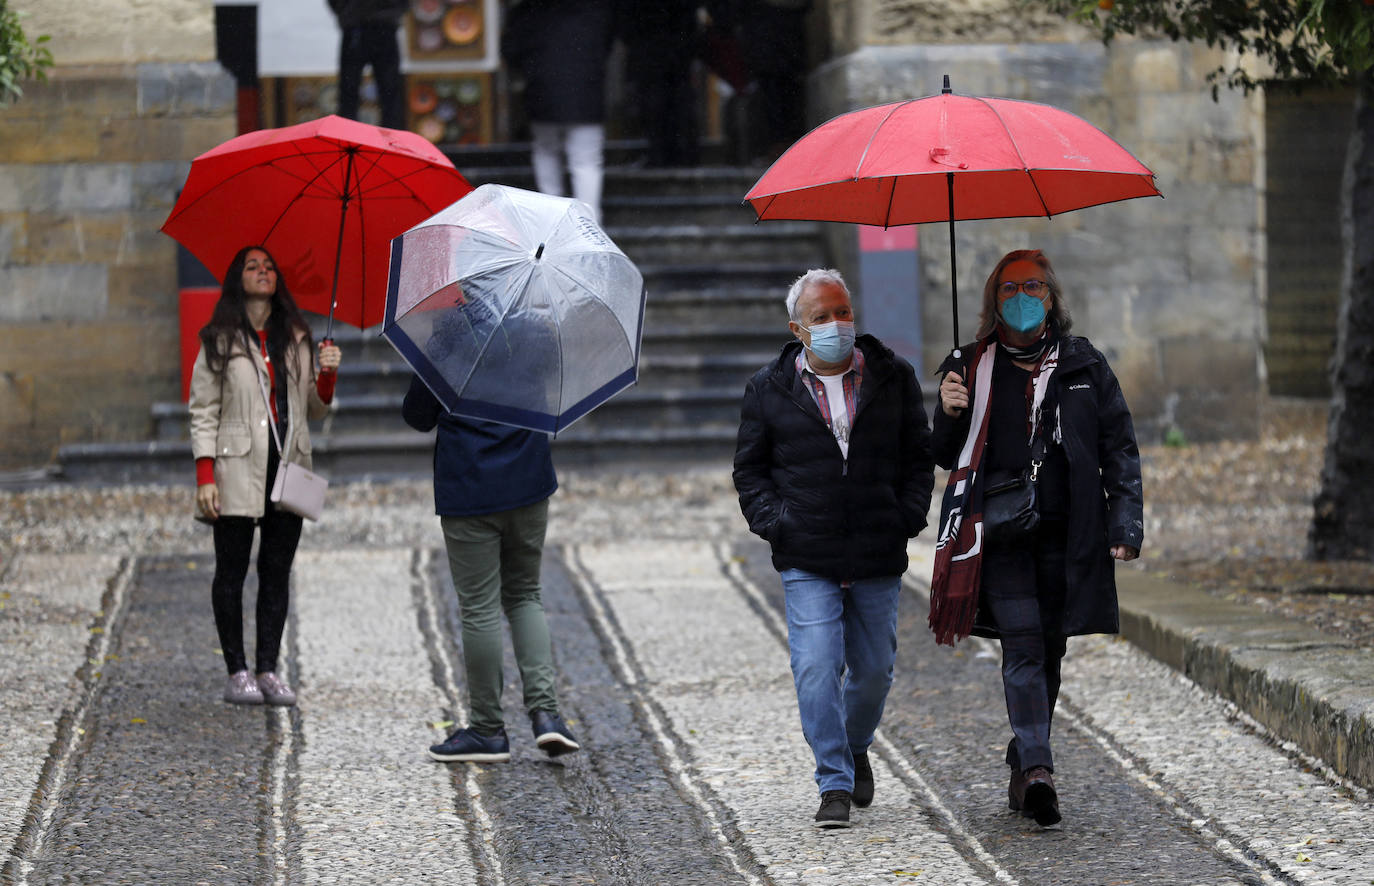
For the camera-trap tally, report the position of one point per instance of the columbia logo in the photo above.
(1082, 387)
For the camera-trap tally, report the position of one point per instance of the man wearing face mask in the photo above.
(1045, 400)
(833, 468)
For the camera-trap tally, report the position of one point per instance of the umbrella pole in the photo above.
(338, 247)
(953, 265)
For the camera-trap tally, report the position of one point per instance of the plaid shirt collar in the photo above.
(852, 377)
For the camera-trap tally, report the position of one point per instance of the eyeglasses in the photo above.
(1032, 288)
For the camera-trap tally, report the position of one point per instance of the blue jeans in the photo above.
(843, 643)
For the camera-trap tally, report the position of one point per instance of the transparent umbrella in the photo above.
(515, 307)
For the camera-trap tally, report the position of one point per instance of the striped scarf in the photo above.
(957, 577)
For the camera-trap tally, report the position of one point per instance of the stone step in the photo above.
(632, 181)
(406, 453)
(615, 152)
(634, 407)
(701, 209)
(794, 243)
(720, 204)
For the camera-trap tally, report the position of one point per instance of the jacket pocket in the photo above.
(776, 533)
(234, 439)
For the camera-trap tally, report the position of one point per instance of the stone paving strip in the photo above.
(694, 639)
(369, 808)
(1259, 801)
(54, 633)
(1220, 769)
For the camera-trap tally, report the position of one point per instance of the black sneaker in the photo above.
(471, 746)
(552, 735)
(863, 781)
(834, 811)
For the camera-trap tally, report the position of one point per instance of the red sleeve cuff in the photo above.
(324, 384)
(205, 471)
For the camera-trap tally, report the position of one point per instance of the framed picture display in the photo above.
(451, 31)
(450, 108)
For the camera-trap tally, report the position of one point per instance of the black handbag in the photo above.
(1011, 507)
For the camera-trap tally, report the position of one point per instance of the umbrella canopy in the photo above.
(516, 307)
(324, 197)
(948, 157)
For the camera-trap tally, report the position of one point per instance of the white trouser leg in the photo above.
(585, 142)
(546, 157)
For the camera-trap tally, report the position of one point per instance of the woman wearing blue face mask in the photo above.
(1029, 400)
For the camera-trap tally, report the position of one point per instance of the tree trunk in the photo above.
(1343, 518)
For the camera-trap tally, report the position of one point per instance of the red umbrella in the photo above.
(948, 157)
(325, 198)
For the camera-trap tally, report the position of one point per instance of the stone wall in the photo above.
(1170, 290)
(90, 164)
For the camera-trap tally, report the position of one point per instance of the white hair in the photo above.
(811, 277)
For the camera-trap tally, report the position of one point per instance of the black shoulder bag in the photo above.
(1011, 508)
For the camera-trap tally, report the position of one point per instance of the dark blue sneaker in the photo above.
(552, 735)
(471, 746)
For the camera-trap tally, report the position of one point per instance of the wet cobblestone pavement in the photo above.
(121, 765)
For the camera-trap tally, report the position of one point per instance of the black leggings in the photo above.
(280, 532)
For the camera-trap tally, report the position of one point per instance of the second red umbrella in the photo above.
(948, 157)
(325, 198)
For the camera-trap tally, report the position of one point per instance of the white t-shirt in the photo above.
(839, 415)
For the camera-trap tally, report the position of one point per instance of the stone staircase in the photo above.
(715, 283)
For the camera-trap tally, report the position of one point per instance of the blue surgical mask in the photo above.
(832, 342)
(1023, 313)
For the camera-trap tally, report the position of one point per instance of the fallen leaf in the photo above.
(138, 720)
(441, 724)
(1303, 857)
(908, 873)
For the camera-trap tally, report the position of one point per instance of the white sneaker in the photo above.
(241, 688)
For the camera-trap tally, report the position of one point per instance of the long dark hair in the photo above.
(230, 319)
(1058, 312)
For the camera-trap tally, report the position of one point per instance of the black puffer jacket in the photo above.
(844, 519)
(1106, 506)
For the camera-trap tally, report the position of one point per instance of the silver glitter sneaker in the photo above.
(274, 689)
(241, 688)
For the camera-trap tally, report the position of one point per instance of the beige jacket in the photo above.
(229, 422)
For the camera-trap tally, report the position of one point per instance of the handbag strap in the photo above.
(266, 401)
(1038, 451)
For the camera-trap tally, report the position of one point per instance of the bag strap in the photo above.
(266, 401)
(1037, 457)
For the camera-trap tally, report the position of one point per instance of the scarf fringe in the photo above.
(951, 611)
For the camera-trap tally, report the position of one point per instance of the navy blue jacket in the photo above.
(480, 467)
(845, 519)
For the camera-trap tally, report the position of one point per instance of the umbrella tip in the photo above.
(538, 252)
(946, 90)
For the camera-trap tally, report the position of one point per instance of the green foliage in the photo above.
(1317, 41)
(1175, 438)
(19, 59)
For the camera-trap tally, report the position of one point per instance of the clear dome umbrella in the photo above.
(515, 307)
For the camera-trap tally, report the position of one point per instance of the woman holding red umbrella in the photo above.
(1045, 409)
(254, 367)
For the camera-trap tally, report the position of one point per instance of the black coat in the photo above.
(841, 518)
(1105, 500)
(354, 13)
(561, 47)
